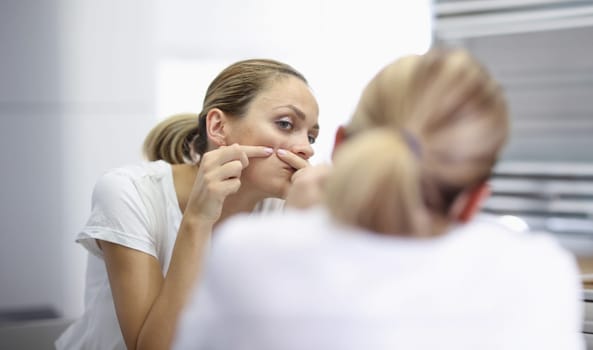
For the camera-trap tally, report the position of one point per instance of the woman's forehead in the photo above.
(291, 92)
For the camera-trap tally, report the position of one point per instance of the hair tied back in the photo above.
(412, 142)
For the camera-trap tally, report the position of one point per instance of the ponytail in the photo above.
(448, 100)
(375, 184)
(171, 139)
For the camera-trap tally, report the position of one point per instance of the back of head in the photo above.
(374, 184)
(169, 140)
(449, 112)
(183, 138)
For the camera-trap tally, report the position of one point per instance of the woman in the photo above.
(394, 257)
(151, 223)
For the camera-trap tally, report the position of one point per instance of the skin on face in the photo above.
(283, 116)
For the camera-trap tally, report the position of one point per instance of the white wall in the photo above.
(337, 45)
(78, 91)
(30, 154)
(108, 63)
(76, 98)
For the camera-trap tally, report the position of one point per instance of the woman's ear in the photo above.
(216, 126)
(468, 204)
(339, 139)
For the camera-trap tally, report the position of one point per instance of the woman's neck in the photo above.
(241, 202)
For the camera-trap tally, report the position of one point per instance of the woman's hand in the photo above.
(307, 181)
(292, 159)
(307, 186)
(295, 161)
(218, 176)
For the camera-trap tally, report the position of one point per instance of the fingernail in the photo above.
(269, 150)
(281, 152)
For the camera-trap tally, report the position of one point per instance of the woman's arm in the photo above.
(148, 305)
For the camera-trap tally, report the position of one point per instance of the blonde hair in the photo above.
(374, 184)
(451, 115)
(169, 140)
(183, 138)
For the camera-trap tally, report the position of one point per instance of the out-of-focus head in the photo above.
(450, 113)
(374, 184)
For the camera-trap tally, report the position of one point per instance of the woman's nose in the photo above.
(303, 148)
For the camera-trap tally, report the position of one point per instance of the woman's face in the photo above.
(283, 116)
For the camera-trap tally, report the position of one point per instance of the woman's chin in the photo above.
(271, 184)
(276, 188)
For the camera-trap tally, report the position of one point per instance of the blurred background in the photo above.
(82, 82)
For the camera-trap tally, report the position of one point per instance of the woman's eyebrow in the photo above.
(298, 113)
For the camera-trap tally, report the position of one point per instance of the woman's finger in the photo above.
(228, 170)
(238, 152)
(228, 187)
(292, 159)
(256, 151)
(307, 187)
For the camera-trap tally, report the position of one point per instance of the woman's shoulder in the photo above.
(494, 229)
(139, 170)
(494, 241)
(131, 181)
(132, 173)
(127, 206)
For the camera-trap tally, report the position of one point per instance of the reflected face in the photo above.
(283, 116)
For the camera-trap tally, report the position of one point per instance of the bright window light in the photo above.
(182, 84)
(339, 46)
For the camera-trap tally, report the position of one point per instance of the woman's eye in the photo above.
(284, 124)
(311, 139)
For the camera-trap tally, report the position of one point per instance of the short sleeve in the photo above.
(118, 215)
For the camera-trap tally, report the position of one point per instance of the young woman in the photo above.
(394, 257)
(151, 223)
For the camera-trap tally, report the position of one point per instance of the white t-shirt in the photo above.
(137, 207)
(301, 281)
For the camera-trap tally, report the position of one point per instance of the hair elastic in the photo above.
(412, 142)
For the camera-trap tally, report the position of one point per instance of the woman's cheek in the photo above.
(267, 175)
(257, 172)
